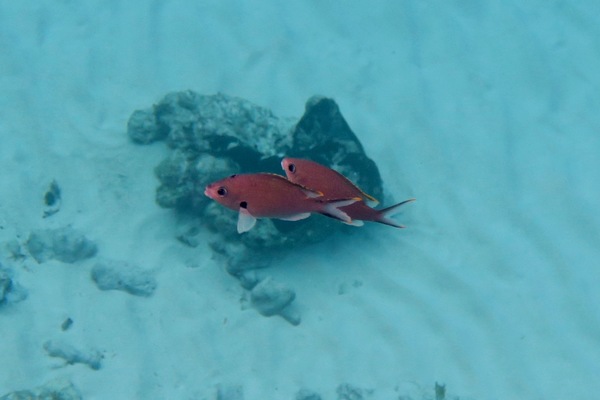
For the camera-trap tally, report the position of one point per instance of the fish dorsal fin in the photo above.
(310, 193)
(369, 200)
(246, 220)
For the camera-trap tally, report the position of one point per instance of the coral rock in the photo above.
(71, 355)
(117, 275)
(64, 244)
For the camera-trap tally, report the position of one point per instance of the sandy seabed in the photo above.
(487, 114)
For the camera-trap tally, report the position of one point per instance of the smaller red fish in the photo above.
(266, 195)
(335, 185)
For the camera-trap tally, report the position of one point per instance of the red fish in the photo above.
(335, 185)
(272, 196)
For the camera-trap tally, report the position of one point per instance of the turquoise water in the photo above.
(486, 112)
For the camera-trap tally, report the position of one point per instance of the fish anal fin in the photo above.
(355, 222)
(296, 217)
(332, 208)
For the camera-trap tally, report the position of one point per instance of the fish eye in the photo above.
(292, 168)
(222, 191)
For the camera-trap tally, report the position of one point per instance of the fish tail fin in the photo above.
(385, 214)
(332, 209)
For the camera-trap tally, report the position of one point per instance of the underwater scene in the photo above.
(228, 200)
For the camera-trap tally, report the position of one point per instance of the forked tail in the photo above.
(385, 214)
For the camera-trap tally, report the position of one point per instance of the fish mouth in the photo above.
(207, 192)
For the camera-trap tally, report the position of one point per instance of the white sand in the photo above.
(487, 114)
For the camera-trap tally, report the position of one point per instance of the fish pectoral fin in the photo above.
(296, 217)
(246, 220)
(332, 209)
